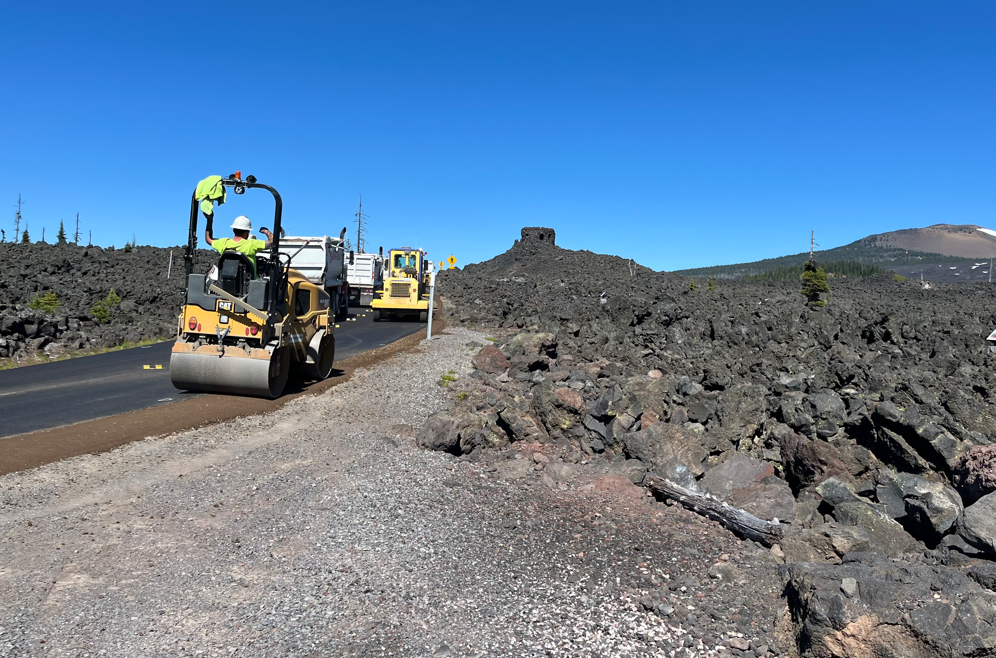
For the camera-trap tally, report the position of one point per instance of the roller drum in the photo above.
(320, 357)
(236, 376)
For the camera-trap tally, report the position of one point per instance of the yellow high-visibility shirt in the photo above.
(248, 247)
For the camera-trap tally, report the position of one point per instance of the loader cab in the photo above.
(406, 262)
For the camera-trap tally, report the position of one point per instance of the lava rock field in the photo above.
(80, 278)
(861, 428)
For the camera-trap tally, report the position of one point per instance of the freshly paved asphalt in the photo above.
(65, 392)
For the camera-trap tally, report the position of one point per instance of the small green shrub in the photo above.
(692, 287)
(446, 380)
(712, 284)
(461, 396)
(47, 303)
(101, 313)
(102, 309)
(898, 278)
(814, 283)
(493, 340)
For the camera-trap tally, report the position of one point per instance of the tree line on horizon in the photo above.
(861, 252)
(841, 268)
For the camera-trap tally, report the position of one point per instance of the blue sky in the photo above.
(677, 134)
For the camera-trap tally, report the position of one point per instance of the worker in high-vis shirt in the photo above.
(241, 243)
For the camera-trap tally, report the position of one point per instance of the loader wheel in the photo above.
(376, 316)
(423, 317)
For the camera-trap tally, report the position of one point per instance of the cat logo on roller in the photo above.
(243, 329)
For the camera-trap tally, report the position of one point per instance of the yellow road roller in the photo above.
(244, 329)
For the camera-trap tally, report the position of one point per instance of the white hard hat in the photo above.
(242, 223)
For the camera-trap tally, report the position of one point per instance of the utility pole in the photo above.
(361, 231)
(17, 219)
(76, 239)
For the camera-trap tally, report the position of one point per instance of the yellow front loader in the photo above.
(406, 286)
(243, 329)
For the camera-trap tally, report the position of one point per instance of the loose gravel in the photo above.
(322, 530)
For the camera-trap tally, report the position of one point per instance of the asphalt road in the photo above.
(66, 392)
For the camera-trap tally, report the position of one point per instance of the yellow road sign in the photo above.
(442, 264)
(452, 261)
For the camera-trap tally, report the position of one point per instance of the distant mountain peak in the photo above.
(941, 253)
(961, 240)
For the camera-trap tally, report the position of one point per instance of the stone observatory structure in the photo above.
(539, 234)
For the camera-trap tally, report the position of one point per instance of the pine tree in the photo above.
(25, 238)
(62, 233)
(814, 283)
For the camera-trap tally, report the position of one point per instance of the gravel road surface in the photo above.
(322, 530)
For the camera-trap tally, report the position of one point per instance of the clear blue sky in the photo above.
(679, 134)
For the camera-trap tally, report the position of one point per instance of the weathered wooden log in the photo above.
(742, 523)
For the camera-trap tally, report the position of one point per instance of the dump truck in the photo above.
(321, 260)
(366, 276)
(406, 286)
(243, 329)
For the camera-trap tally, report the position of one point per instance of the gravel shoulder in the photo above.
(322, 530)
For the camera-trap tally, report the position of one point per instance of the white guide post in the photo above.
(432, 293)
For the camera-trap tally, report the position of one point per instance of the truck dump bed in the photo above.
(321, 260)
(365, 275)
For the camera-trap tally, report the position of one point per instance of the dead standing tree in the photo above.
(17, 217)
